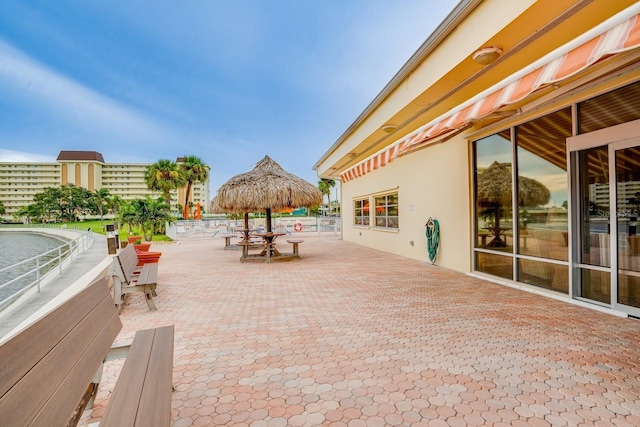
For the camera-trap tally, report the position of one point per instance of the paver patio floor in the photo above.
(350, 336)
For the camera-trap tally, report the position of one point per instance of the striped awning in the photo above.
(610, 38)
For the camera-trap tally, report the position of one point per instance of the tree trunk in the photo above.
(187, 193)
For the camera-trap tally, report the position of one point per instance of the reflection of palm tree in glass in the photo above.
(494, 193)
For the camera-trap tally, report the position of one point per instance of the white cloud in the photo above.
(11, 156)
(64, 99)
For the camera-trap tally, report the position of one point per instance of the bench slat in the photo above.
(151, 273)
(69, 365)
(82, 374)
(24, 350)
(123, 402)
(145, 276)
(155, 404)
(142, 395)
(128, 260)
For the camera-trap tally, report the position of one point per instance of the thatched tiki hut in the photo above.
(267, 186)
(495, 192)
(215, 208)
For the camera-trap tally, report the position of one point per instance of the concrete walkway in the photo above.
(349, 336)
(32, 302)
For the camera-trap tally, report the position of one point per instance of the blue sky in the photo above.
(228, 81)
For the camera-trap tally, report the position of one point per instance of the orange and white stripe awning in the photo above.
(618, 34)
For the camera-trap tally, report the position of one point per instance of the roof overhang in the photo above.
(526, 31)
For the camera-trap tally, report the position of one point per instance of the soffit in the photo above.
(544, 26)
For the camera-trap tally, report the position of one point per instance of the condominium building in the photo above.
(20, 182)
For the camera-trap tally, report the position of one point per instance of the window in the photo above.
(361, 212)
(512, 235)
(386, 211)
(613, 108)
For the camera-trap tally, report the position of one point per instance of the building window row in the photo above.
(385, 213)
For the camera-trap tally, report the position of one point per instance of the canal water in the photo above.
(16, 247)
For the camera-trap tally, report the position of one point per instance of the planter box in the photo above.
(148, 258)
(142, 247)
(133, 239)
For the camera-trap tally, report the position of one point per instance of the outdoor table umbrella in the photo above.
(267, 186)
(494, 192)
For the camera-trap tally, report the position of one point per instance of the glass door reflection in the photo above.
(594, 229)
(627, 170)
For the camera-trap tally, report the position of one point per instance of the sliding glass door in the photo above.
(606, 257)
(593, 225)
(627, 186)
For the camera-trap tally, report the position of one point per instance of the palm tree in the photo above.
(127, 214)
(325, 185)
(193, 171)
(114, 204)
(164, 176)
(150, 214)
(191, 206)
(102, 200)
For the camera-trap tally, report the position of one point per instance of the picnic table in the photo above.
(246, 233)
(227, 240)
(497, 232)
(270, 249)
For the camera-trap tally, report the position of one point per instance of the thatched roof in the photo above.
(215, 208)
(267, 185)
(494, 188)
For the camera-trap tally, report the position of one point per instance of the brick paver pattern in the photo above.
(351, 336)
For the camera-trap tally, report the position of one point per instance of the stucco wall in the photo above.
(433, 182)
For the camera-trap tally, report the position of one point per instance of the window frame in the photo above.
(361, 207)
(394, 220)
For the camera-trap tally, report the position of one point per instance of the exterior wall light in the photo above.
(486, 55)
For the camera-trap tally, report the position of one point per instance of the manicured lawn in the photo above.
(96, 227)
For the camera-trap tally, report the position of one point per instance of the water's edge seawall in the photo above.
(84, 268)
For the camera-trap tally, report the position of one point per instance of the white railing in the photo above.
(30, 273)
(214, 228)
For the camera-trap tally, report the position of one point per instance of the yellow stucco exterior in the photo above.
(436, 180)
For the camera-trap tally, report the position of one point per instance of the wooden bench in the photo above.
(51, 370)
(295, 244)
(227, 240)
(129, 277)
(246, 247)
